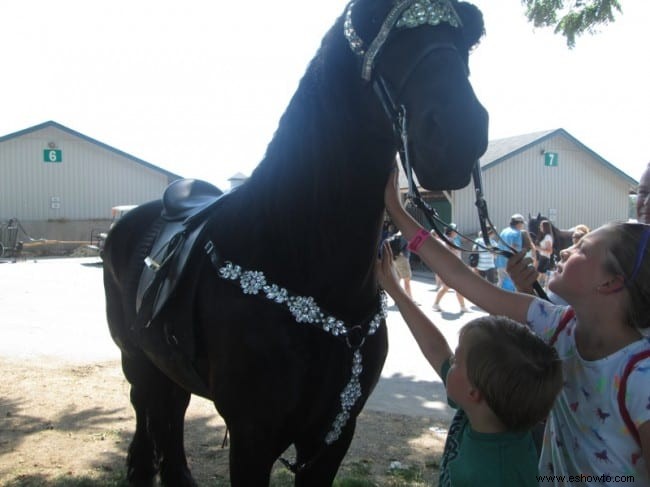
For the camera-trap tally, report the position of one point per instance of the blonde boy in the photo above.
(502, 379)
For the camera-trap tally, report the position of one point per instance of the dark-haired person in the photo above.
(485, 265)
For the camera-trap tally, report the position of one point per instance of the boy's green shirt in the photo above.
(473, 459)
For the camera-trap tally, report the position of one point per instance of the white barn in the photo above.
(61, 184)
(548, 172)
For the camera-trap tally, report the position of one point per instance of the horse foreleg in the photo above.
(321, 462)
(251, 456)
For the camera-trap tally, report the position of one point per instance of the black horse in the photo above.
(561, 238)
(308, 220)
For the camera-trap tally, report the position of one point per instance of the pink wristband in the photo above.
(416, 242)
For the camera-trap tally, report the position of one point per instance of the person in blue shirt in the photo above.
(512, 236)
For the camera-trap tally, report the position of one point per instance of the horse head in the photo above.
(330, 156)
(533, 225)
(415, 54)
(561, 237)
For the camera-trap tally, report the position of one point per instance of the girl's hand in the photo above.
(386, 273)
(521, 270)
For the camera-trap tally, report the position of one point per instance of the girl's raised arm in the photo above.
(451, 269)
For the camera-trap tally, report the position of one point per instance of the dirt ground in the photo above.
(61, 423)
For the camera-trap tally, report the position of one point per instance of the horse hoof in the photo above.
(141, 478)
(182, 478)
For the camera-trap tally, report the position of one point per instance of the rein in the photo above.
(436, 222)
(431, 214)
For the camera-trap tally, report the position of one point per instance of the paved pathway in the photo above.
(55, 308)
(409, 385)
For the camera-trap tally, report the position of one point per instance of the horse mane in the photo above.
(316, 184)
(304, 146)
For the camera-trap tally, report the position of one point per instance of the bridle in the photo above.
(440, 11)
(413, 195)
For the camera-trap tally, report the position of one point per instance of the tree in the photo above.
(573, 19)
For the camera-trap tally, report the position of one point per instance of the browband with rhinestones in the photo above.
(405, 14)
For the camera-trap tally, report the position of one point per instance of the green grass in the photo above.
(357, 474)
(408, 476)
(111, 479)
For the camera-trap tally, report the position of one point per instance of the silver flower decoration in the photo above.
(252, 281)
(351, 393)
(230, 271)
(357, 368)
(356, 44)
(349, 396)
(334, 326)
(375, 323)
(304, 309)
(432, 12)
(276, 293)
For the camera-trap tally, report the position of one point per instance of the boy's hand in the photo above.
(386, 273)
(392, 198)
(522, 272)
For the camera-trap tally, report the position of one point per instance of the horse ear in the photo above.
(539, 215)
(473, 26)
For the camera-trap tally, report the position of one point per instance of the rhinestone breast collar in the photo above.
(304, 309)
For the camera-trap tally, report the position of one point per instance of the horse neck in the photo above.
(318, 198)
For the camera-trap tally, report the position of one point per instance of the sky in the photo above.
(198, 87)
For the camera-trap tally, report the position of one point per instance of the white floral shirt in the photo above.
(586, 441)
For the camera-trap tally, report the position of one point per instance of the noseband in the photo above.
(409, 14)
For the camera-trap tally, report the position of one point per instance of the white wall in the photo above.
(85, 185)
(581, 188)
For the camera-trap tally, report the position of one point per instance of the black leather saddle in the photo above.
(187, 199)
(186, 208)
